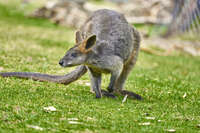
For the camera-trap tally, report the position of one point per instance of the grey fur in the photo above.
(115, 50)
(112, 47)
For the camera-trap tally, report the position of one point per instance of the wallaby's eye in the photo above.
(74, 54)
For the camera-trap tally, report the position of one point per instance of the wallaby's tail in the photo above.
(65, 79)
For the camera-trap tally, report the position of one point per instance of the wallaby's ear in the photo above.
(91, 41)
(87, 44)
(78, 37)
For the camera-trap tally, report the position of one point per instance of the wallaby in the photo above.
(106, 43)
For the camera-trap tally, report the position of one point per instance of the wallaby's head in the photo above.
(78, 54)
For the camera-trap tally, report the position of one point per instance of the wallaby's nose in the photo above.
(61, 62)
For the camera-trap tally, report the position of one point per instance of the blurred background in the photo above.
(167, 25)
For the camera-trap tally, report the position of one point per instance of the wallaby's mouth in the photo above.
(68, 65)
(63, 64)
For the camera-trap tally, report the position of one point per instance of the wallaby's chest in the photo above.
(98, 70)
(98, 64)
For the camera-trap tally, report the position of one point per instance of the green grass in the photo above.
(36, 45)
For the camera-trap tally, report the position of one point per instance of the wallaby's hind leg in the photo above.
(122, 79)
(115, 73)
(128, 67)
(121, 83)
(114, 77)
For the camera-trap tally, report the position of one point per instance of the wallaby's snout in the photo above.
(66, 63)
(61, 62)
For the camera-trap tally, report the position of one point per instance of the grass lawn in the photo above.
(170, 86)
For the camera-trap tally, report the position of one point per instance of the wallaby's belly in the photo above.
(111, 27)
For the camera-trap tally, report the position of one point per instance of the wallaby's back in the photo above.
(111, 27)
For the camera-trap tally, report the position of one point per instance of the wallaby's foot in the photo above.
(104, 93)
(107, 94)
(98, 96)
(130, 94)
(110, 90)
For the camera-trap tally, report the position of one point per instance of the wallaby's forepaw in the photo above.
(130, 94)
(107, 94)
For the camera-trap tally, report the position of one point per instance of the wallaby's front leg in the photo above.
(95, 83)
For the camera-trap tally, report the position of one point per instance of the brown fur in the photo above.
(78, 37)
(82, 47)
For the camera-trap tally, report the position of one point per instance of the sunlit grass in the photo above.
(169, 85)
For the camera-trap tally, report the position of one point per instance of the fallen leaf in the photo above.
(147, 114)
(1, 68)
(84, 82)
(87, 131)
(150, 118)
(29, 59)
(91, 119)
(124, 99)
(145, 123)
(50, 109)
(171, 130)
(87, 84)
(74, 122)
(35, 127)
(62, 119)
(72, 119)
(185, 94)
